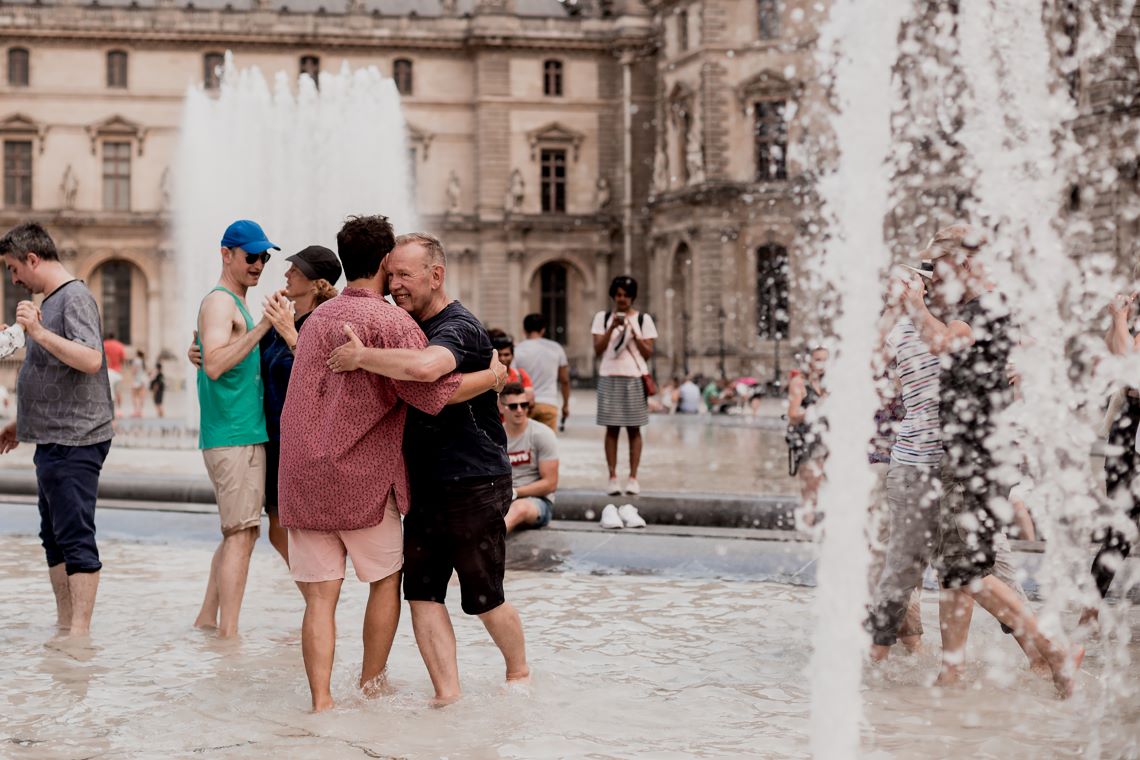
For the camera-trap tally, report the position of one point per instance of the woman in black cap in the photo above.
(308, 284)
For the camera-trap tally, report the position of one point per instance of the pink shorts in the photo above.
(376, 552)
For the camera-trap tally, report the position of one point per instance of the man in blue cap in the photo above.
(232, 428)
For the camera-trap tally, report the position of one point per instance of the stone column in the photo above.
(515, 259)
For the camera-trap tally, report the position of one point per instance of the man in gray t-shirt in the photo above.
(545, 361)
(64, 407)
(533, 451)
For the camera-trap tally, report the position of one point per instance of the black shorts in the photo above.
(458, 527)
(68, 482)
(272, 463)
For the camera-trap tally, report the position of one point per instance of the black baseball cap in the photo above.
(317, 263)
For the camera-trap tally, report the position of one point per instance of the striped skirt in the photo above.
(621, 402)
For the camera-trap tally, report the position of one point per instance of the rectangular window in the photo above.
(552, 79)
(18, 174)
(402, 73)
(553, 186)
(772, 292)
(311, 65)
(18, 67)
(117, 69)
(117, 176)
(212, 70)
(682, 31)
(768, 18)
(771, 141)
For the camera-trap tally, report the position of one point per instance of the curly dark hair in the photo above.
(362, 244)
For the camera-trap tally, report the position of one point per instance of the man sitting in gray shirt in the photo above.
(533, 450)
(64, 407)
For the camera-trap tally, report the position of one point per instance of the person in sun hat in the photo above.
(232, 432)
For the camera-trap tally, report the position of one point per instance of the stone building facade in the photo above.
(525, 162)
(555, 144)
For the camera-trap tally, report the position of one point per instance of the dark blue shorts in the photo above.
(68, 480)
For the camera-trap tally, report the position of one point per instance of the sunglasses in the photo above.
(517, 405)
(252, 258)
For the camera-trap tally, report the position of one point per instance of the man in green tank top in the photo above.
(232, 423)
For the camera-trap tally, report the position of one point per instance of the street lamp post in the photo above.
(721, 317)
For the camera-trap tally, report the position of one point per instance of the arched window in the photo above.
(553, 303)
(552, 78)
(18, 67)
(116, 276)
(402, 73)
(311, 65)
(772, 292)
(771, 135)
(117, 69)
(212, 70)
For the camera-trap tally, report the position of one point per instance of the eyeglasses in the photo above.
(517, 405)
(252, 258)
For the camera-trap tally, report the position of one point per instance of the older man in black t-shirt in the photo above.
(458, 468)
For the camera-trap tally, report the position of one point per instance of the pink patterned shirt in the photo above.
(342, 435)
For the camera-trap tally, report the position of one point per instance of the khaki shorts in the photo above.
(238, 475)
(547, 414)
(377, 552)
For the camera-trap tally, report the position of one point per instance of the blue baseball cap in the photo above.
(248, 236)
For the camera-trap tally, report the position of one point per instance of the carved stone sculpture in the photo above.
(68, 189)
(516, 193)
(602, 194)
(453, 190)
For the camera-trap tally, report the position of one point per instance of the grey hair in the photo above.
(430, 243)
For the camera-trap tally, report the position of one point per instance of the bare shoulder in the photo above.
(217, 308)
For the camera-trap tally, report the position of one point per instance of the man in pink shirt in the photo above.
(343, 480)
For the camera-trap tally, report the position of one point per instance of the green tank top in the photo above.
(232, 407)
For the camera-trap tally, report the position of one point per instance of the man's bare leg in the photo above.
(82, 588)
(318, 639)
(505, 627)
(279, 537)
(381, 618)
(233, 571)
(955, 610)
(436, 640)
(522, 512)
(1004, 604)
(208, 614)
(59, 586)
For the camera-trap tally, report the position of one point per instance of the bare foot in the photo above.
(949, 676)
(206, 625)
(520, 677)
(1063, 675)
(438, 701)
(376, 687)
(879, 653)
(322, 704)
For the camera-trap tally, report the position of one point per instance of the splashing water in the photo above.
(297, 163)
(856, 196)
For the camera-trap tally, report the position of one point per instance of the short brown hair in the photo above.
(960, 238)
(513, 389)
(430, 243)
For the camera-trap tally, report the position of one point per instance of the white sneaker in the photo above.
(615, 487)
(610, 517)
(632, 487)
(629, 516)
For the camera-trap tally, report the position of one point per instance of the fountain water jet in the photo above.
(297, 163)
(856, 196)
